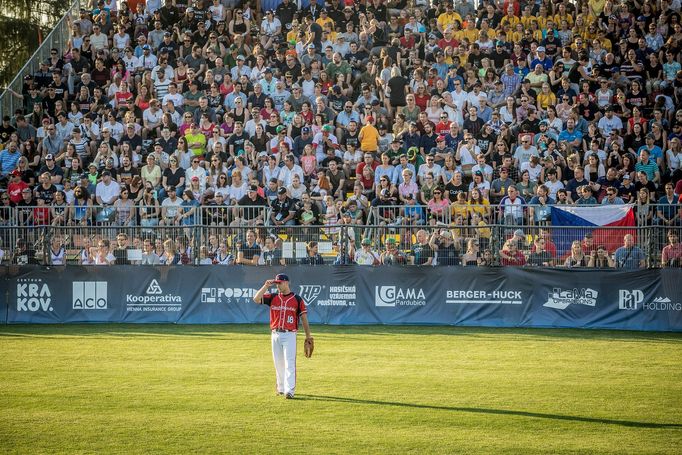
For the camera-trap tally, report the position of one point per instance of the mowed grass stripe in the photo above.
(210, 389)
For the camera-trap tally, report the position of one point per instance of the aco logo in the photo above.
(90, 295)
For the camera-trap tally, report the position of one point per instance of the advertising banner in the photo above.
(493, 297)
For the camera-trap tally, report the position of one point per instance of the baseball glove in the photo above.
(309, 347)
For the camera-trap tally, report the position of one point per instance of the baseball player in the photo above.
(285, 310)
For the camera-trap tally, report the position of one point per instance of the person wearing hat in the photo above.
(286, 309)
(365, 255)
(254, 207)
(108, 190)
(283, 209)
(56, 172)
(392, 255)
(325, 141)
(542, 59)
(15, 186)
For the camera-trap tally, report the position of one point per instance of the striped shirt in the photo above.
(650, 168)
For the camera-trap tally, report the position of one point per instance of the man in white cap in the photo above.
(542, 59)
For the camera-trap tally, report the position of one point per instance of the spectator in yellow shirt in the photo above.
(324, 19)
(447, 18)
(369, 136)
(563, 15)
(510, 18)
(196, 141)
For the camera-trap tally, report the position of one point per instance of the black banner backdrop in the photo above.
(493, 297)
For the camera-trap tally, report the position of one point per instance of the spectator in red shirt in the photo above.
(16, 185)
(368, 160)
(448, 40)
(671, 255)
(511, 255)
(588, 244)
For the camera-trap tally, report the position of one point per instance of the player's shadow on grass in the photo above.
(510, 412)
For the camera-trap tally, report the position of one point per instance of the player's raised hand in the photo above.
(269, 283)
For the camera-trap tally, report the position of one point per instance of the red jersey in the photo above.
(284, 310)
(15, 189)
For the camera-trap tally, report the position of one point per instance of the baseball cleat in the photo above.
(289, 396)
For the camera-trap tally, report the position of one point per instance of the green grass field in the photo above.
(210, 389)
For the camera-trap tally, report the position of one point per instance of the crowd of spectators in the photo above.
(279, 113)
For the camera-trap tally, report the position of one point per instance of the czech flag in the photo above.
(605, 222)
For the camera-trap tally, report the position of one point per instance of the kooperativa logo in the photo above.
(33, 295)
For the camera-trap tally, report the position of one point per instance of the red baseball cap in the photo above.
(280, 278)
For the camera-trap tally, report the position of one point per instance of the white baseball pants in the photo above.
(284, 356)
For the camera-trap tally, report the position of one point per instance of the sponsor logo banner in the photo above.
(629, 300)
(392, 296)
(662, 304)
(227, 295)
(323, 295)
(90, 295)
(33, 295)
(560, 299)
(483, 297)
(154, 300)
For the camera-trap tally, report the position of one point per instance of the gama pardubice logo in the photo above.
(392, 296)
(154, 299)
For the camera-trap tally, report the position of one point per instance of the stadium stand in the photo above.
(354, 132)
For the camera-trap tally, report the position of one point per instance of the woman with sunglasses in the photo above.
(149, 207)
(240, 25)
(216, 168)
(125, 209)
(173, 176)
(240, 113)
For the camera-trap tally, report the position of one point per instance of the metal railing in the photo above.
(57, 38)
(526, 215)
(338, 245)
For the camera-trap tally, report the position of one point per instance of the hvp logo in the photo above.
(628, 300)
(310, 292)
(33, 295)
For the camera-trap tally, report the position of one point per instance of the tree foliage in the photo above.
(22, 23)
